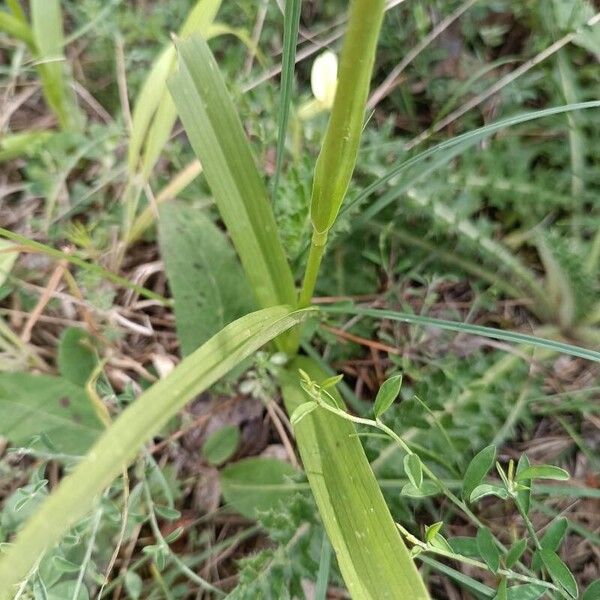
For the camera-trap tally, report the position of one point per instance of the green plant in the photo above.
(204, 277)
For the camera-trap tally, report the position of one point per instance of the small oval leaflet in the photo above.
(543, 472)
(414, 469)
(478, 468)
(302, 411)
(559, 572)
(386, 395)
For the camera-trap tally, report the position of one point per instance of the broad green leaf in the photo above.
(524, 495)
(478, 468)
(255, 485)
(414, 469)
(301, 411)
(486, 489)
(515, 553)
(218, 139)
(221, 445)
(371, 555)
(542, 472)
(119, 444)
(559, 572)
(529, 591)
(487, 548)
(7, 260)
(133, 585)
(387, 394)
(67, 589)
(34, 405)
(592, 592)
(76, 357)
(205, 276)
(426, 489)
(288, 62)
(489, 332)
(551, 540)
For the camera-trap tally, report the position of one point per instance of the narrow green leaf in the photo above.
(255, 485)
(559, 572)
(221, 445)
(443, 154)
(515, 553)
(487, 548)
(478, 468)
(463, 580)
(16, 28)
(154, 113)
(414, 469)
(542, 472)
(218, 139)
(331, 381)
(529, 591)
(486, 489)
(387, 394)
(288, 62)
(205, 276)
(8, 256)
(370, 552)
(337, 158)
(432, 530)
(551, 540)
(47, 28)
(465, 546)
(592, 592)
(524, 495)
(301, 411)
(76, 357)
(166, 512)
(119, 443)
(489, 332)
(502, 593)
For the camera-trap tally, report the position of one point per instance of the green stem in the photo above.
(315, 256)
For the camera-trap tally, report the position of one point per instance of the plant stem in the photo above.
(315, 256)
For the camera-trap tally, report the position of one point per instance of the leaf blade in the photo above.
(119, 444)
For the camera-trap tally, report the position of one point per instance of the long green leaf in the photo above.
(154, 113)
(121, 442)
(48, 37)
(290, 38)
(442, 154)
(489, 332)
(373, 559)
(217, 136)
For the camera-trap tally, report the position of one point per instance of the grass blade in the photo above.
(443, 153)
(489, 332)
(372, 557)
(143, 419)
(218, 138)
(290, 38)
(46, 25)
(154, 114)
